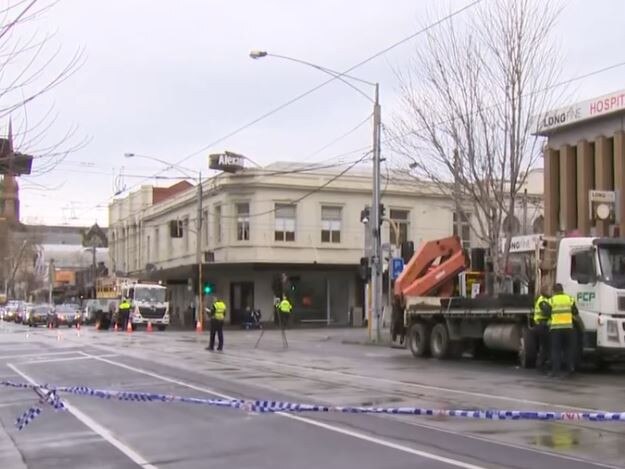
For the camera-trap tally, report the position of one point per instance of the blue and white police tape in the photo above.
(50, 395)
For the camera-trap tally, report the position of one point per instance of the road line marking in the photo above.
(95, 427)
(42, 354)
(334, 428)
(381, 442)
(409, 384)
(67, 359)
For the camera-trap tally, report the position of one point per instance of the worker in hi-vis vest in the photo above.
(284, 309)
(218, 315)
(562, 331)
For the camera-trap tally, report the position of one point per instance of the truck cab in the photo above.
(592, 270)
(149, 303)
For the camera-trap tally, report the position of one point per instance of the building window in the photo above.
(185, 233)
(285, 222)
(217, 223)
(157, 237)
(462, 228)
(243, 221)
(330, 224)
(538, 227)
(400, 217)
(148, 246)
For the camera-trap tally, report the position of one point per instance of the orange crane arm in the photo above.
(423, 275)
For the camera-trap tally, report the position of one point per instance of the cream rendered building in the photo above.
(258, 224)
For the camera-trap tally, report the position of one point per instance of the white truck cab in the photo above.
(592, 270)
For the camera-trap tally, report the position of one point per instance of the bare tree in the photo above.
(469, 97)
(31, 65)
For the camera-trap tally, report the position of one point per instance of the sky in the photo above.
(171, 79)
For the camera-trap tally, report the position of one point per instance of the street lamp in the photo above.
(198, 236)
(376, 222)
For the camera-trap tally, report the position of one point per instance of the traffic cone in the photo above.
(116, 328)
(198, 327)
(149, 328)
(59, 336)
(129, 327)
(78, 329)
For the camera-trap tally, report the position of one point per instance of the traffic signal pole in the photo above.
(198, 253)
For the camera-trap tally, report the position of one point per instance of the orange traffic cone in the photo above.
(116, 328)
(198, 327)
(129, 327)
(78, 329)
(149, 328)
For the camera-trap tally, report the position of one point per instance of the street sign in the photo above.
(397, 266)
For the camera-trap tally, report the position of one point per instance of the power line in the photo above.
(321, 85)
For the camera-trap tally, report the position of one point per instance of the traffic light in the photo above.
(364, 269)
(365, 216)
(293, 283)
(382, 214)
(208, 288)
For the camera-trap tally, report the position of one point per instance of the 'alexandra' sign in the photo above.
(227, 161)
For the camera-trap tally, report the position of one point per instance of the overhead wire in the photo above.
(324, 83)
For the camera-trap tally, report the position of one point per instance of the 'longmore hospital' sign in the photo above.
(582, 111)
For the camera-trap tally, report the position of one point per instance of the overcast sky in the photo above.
(166, 79)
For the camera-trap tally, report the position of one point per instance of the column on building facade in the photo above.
(619, 178)
(552, 190)
(585, 183)
(604, 172)
(568, 183)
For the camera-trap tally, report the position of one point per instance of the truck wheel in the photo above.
(528, 348)
(419, 339)
(161, 327)
(439, 341)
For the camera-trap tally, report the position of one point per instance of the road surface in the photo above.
(317, 367)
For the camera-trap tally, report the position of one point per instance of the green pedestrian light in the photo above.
(208, 288)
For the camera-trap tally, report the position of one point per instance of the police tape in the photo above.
(50, 395)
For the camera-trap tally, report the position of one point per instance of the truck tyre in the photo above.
(528, 348)
(439, 341)
(419, 339)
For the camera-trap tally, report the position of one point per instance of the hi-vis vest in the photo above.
(539, 316)
(124, 305)
(561, 311)
(220, 310)
(285, 306)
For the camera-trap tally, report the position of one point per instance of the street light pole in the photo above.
(199, 303)
(376, 264)
(376, 258)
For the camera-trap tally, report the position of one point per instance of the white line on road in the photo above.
(409, 384)
(96, 427)
(334, 428)
(66, 359)
(41, 354)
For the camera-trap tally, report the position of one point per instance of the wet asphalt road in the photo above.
(317, 367)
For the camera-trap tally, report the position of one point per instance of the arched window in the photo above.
(538, 227)
(511, 225)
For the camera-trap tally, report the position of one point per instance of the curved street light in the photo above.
(376, 222)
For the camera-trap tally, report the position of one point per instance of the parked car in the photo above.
(38, 315)
(10, 313)
(20, 313)
(65, 314)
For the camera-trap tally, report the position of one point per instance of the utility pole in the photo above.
(50, 280)
(376, 264)
(198, 253)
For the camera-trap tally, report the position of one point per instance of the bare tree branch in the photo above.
(468, 101)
